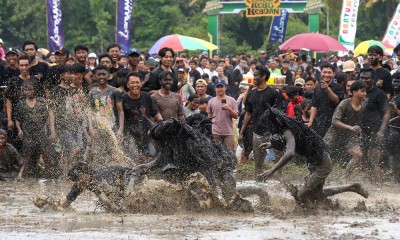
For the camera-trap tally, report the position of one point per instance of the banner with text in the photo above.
(392, 34)
(54, 25)
(124, 15)
(278, 28)
(348, 23)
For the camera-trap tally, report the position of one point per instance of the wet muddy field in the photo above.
(377, 219)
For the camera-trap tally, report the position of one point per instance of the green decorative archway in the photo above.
(215, 8)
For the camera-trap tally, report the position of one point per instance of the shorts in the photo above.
(319, 173)
(369, 142)
(227, 140)
(71, 140)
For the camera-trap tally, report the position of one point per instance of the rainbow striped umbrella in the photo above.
(362, 48)
(179, 43)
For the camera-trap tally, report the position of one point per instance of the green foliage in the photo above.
(92, 23)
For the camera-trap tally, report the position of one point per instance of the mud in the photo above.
(376, 218)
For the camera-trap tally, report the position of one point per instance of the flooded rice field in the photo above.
(20, 219)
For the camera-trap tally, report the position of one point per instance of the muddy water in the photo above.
(20, 219)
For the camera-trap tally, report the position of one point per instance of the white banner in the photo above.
(393, 31)
(348, 23)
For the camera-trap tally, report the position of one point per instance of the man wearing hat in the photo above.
(11, 162)
(133, 59)
(201, 87)
(299, 83)
(62, 55)
(223, 109)
(349, 68)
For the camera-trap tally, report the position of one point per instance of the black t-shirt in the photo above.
(33, 120)
(154, 84)
(134, 109)
(9, 73)
(325, 107)
(52, 78)
(61, 103)
(377, 104)
(39, 69)
(113, 70)
(14, 91)
(194, 76)
(288, 74)
(383, 74)
(257, 103)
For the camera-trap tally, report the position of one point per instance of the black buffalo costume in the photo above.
(183, 150)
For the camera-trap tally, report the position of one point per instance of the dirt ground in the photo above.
(377, 219)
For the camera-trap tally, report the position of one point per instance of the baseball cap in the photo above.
(92, 55)
(62, 51)
(1, 41)
(201, 81)
(12, 50)
(132, 51)
(262, 51)
(205, 52)
(300, 81)
(181, 70)
(349, 66)
(220, 82)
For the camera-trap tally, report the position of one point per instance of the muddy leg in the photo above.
(246, 191)
(356, 161)
(396, 167)
(259, 153)
(355, 187)
(228, 186)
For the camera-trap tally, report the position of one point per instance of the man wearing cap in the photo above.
(299, 83)
(153, 84)
(349, 68)
(201, 88)
(133, 59)
(12, 65)
(223, 109)
(11, 162)
(381, 76)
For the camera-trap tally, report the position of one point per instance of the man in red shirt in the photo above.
(293, 94)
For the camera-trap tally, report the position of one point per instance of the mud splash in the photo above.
(20, 219)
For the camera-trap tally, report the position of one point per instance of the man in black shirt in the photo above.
(114, 50)
(258, 101)
(153, 84)
(374, 123)
(137, 104)
(325, 99)
(381, 77)
(38, 67)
